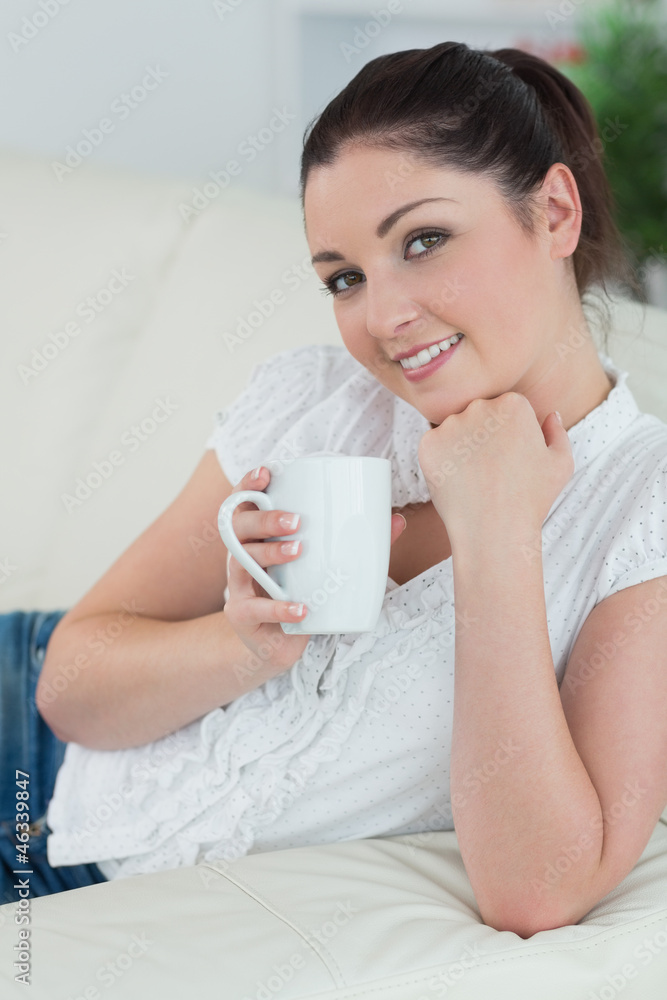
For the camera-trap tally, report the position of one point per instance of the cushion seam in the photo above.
(327, 959)
(367, 989)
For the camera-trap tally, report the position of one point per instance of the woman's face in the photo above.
(404, 277)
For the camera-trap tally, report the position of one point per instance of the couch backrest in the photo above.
(181, 311)
(121, 298)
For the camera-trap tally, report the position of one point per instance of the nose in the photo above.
(391, 313)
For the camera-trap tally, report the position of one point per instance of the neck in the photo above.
(571, 378)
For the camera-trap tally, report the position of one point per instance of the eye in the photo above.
(331, 286)
(426, 239)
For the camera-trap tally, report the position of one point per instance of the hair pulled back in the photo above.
(504, 113)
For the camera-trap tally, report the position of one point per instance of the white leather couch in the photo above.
(125, 326)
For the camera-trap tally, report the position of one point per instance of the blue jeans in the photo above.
(30, 755)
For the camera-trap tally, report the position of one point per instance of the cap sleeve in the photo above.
(639, 550)
(311, 400)
(279, 391)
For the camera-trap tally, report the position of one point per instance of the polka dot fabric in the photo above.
(355, 740)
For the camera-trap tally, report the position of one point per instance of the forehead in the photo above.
(359, 170)
(366, 184)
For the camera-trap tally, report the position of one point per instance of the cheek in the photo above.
(502, 282)
(363, 348)
(354, 335)
(350, 325)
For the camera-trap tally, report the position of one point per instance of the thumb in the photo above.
(398, 526)
(555, 435)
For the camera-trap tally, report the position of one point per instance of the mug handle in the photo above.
(263, 501)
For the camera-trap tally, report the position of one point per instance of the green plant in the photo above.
(623, 73)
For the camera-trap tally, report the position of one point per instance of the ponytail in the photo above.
(600, 253)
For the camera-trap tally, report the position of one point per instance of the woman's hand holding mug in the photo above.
(254, 616)
(257, 614)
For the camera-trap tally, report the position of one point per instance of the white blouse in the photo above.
(354, 740)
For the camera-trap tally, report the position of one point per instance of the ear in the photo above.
(559, 196)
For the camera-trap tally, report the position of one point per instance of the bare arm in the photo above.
(148, 649)
(555, 793)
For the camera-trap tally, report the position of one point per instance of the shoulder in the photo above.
(294, 379)
(299, 401)
(645, 439)
(637, 465)
(607, 529)
(618, 448)
(325, 376)
(331, 362)
(631, 502)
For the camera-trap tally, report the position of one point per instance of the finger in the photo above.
(559, 446)
(555, 435)
(265, 554)
(398, 526)
(256, 525)
(256, 479)
(241, 583)
(262, 524)
(278, 553)
(250, 483)
(256, 608)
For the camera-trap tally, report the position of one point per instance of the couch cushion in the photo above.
(385, 918)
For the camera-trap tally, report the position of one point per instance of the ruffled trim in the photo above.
(244, 765)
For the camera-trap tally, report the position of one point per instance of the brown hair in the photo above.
(506, 113)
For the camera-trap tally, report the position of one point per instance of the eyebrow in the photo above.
(327, 256)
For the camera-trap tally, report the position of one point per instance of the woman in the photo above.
(451, 218)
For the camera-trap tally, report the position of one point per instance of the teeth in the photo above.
(423, 357)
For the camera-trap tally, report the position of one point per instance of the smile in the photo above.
(421, 365)
(427, 355)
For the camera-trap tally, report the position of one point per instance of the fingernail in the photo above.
(558, 417)
(404, 521)
(296, 609)
(289, 522)
(256, 472)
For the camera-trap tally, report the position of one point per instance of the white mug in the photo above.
(341, 572)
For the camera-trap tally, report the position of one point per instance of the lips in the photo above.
(423, 372)
(414, 361)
